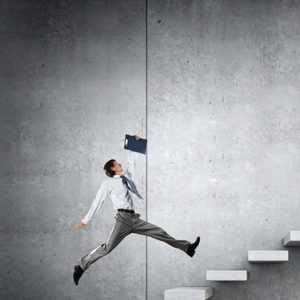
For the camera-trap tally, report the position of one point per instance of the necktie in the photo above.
(130, 184)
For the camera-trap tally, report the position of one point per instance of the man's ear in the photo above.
(113, 167)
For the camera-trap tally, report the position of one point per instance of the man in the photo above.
(122, 190)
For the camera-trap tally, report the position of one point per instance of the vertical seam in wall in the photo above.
(146, 90)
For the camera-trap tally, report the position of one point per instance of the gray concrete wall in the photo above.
(72, 85)
(223, 133)
(224, 138)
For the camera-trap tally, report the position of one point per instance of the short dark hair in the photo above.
(107, 168)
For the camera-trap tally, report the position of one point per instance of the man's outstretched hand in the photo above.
(80, 225)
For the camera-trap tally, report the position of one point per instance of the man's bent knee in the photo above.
(107, 247)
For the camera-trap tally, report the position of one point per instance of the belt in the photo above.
(127, 210)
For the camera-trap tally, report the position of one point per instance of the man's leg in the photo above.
(149, 229)
(117, 234)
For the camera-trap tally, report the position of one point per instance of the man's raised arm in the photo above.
(131, 158)
(130, 164)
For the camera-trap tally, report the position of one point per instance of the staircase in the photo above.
(254, 256)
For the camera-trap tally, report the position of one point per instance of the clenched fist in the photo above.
(80, 225)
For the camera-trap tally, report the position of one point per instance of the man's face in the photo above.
(117, 167)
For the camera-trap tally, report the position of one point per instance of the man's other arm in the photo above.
(97, 203)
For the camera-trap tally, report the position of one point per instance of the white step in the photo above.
(261, 256)
(227, 275)
(189, 293)
(292, 238)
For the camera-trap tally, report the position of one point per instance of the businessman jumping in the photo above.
(122, 191)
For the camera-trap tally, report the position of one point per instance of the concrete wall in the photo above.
(73, 83)
(223, 132)
(224, 138)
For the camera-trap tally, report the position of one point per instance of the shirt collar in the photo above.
(118, 176)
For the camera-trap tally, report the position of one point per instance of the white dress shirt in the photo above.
(114, 188)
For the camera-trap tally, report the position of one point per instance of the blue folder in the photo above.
(130, 143)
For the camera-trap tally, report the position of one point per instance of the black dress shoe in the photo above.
(191, 249)
(77, 274)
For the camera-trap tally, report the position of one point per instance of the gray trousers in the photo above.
(125, 224)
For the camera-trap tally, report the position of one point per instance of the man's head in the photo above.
(112, 167)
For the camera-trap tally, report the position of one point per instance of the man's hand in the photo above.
(137, 137)
(80, 225)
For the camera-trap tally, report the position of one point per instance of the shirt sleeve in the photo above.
(97, 203)
(130, 165)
